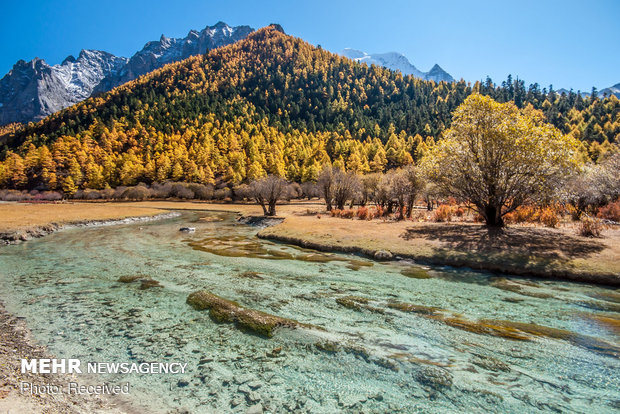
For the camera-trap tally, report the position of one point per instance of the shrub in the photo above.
(107, 193)
(335, 212)
(610, 212)
(47, 196)
(549, 217)
(222, 193)
(380, 212)
(118, 192)
(14, 195)
(590, 227)
(348, 214)
(523, 214)
(91, 195)
(136, 193)
(459, 212)
(363, 213)
(443, 213)
(201, 191)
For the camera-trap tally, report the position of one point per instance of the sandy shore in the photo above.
(16, 342)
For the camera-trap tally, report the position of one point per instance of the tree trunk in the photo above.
(493, 216)
(409, 208)
(272, 209)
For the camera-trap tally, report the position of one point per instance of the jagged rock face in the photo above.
(167, 50)
(396, 61)
(32, 90)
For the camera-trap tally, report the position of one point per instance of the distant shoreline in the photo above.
(22, 235)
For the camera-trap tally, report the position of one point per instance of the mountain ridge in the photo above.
(30, 91)
(397, 61)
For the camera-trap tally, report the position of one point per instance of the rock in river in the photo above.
(383, 255)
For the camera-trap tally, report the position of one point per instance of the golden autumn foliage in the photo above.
(269, 104)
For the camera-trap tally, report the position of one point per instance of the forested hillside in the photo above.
(270, 103)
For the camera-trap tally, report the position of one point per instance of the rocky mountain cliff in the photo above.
(32, 90)
(396, 61)
(167, 50)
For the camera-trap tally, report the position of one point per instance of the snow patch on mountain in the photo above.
(33, 90)
(397, 61)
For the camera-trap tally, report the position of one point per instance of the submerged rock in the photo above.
(130, 278)
(224, 310)
(255, 409)
(435, 378)
(490, 363)
(275, 352)
(149, 283)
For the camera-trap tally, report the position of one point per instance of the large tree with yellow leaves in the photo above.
(498, 157)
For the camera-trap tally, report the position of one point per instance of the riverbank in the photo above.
(22, 222)
(16, 342)
(518, 250)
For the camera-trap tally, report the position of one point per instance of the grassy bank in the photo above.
(519, 250)
(23, 216)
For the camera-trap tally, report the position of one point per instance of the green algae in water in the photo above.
(416, 273)
(65, 285)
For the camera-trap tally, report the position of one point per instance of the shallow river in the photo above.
(395, 337)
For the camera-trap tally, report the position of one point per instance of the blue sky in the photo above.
(565, 43)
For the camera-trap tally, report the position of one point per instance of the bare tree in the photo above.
(369, 187)
(345, 186)
(267, 191)
(593, 187)
(415, 184)
(310, 190)
(325, 183)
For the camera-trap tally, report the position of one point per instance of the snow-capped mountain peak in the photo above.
(32, 90)
(397, 61)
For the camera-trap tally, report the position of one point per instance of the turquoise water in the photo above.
(369, 357)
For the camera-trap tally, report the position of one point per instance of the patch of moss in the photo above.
(607, 295)
(250, 275)
(483, 327)
(416, 273)
(490, 363)
(421, 309)
(357, 303)
(130, 278)
(610, 323)
(518, 287)
(589, 342)
(149, 283)
(223, 310)
(327, 346)
(601, 306)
